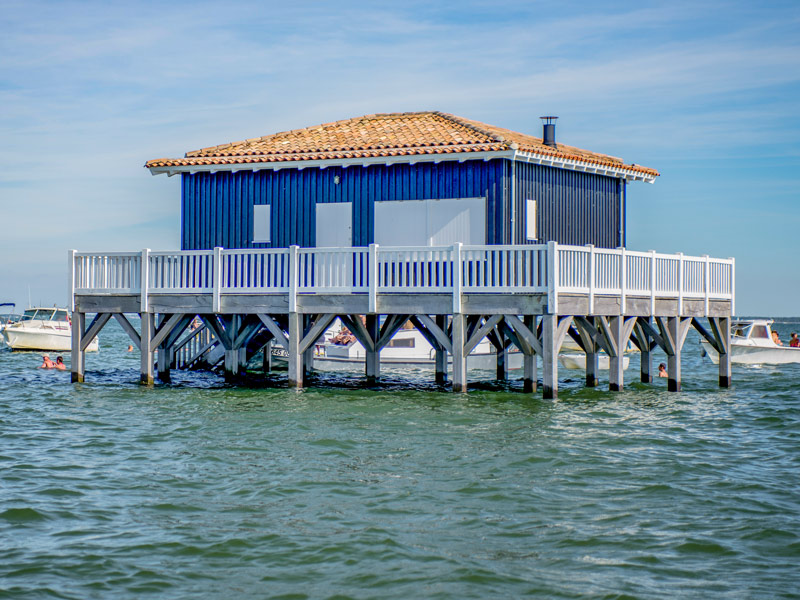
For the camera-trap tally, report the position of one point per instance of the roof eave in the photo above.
(333, 162)
(554, 160)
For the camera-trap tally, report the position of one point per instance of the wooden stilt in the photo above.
(146, 338)
(267, 357)
(592, 366)
(724, 332)
(616, 373)
(502, 357)
(295, 358)
(78, 356)
(549, 357)
(164, 366)
(529, 367)
(646, 356)
(674, 357)
(373, 357)
(441, 353)
(459, 358)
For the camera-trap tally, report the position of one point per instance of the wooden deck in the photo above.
(529, 296)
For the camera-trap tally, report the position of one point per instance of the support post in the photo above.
(549, 357)
(646, 368)
(441, 353)
(725, 358)
(674, 357)
(502, 357)
(592, 366)
(616, 373)
(78, 358)
(529, 362)
(459, 359)
(163, 355)
(231, 365)
(373, 357)
(295, 358)
(146, 338)
(267, 357)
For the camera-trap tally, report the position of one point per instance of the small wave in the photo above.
(23, 515)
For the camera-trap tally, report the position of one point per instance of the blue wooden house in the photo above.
(409, 179)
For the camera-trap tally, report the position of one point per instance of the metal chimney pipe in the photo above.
(549, 131)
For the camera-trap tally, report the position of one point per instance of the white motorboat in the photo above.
(578, 361)
(407, 349)
(43, 329)
(752, 344)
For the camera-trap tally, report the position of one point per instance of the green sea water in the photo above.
(199, 489)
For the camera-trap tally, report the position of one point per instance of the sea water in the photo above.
(402, 490)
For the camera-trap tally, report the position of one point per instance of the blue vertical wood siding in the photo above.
(572, 207)
(218, 207)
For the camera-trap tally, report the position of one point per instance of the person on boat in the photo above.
(60, 364)
(776, 338)
(343, 338)
(795, 341)
(47, 363)
(662, 370)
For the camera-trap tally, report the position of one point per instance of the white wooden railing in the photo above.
(550, 269)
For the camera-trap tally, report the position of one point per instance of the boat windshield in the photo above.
(759, 331)
(42, 314)
(61, 315)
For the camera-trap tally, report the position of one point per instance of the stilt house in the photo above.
(401, 179)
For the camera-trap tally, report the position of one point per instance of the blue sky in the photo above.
(708, 93)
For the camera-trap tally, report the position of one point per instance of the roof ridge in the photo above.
(464, 123)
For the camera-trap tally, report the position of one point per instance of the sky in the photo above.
(706, 92)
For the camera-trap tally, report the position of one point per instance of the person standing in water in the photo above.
(60, 364)
(47, 363)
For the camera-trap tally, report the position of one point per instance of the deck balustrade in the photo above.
(546, 268)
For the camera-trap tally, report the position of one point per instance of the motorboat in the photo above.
(752, 343)
(43, 329)
(578, 361)
(7, 318)
(407, 349)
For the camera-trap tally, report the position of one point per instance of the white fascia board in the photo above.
(339, 162)
(529, 157)
(585, 167)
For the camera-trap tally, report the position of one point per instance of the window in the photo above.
(401, 343)
(530, 220)
(261, 223)
(759, 331)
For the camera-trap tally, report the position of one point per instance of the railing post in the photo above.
(217, 281)
(591, 264)
(623, 279)
(71, 271)
(733, 286)
(293, 278)
(680, 283)
(707, 282)
(652, 282)
(373, 278)
(552, 278)
(144, 281)
(457, 278)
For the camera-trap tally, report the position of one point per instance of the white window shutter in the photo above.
(261, 223)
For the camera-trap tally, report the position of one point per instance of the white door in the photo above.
(335, 225)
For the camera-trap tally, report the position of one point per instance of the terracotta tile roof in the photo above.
(386, 135)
